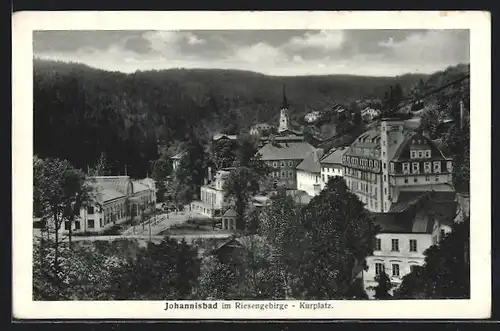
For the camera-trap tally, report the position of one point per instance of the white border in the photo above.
(22, 120)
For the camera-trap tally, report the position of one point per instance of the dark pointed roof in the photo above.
(284, 105)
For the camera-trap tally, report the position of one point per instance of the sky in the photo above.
(271, 52)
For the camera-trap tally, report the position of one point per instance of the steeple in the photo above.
(284, 121)
(285, 102)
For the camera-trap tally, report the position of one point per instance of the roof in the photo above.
(431, 207)
(309, 164)
(227, 136)
(177, 156)
(419, 141)
(230, 213)
(334, 156)
(407, 199)
(139, 186)
(286, 151)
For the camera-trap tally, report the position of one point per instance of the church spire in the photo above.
(285, 101)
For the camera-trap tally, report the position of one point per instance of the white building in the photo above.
(368, 114)
(117, 199)
(260, 129)
(308, 173)
(176, 161)
(421, 222)
(211, 201)
(331, 165)
(312, 116)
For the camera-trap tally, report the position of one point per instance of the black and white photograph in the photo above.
(253, 170)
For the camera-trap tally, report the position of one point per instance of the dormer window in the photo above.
(428, 153)
(420, 154)
(406, 168)
(427, 167)
(437, 166)
(414, 168)
(413, 154)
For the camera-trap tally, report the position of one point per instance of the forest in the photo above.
(81, 112)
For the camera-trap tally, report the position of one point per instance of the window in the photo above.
(406, 180)
(275, 164)
(437, 166)
(385, 190)
(413, 154)
(427, 179)
(413, 245)
(290, 174)
(395, 245)
(395, 270)
(427, 167)
(385, 165)
(282, 164)
(379, 268)
(406, 168)
(283, 174)
(66, 225)
(90, 224)
(392, 167)
(437, 179)
(415, 180)
(376, 205)
(378, 244)
(449, 166)
(290, 163)
(77, 225)
(419, 154)
(414, 168)
(375, 163)
(370, 163)
(100, 222)
(90, 209)
(385, 178)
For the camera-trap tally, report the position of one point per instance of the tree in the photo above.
(281, 226)
(58, 188)
(159, 272)
(446, 271)
(339, 237)
(222, 153)
(101, 168)
(216, 280)
(383, 287)
(241, 184)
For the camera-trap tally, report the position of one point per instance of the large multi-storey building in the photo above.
(390, 159)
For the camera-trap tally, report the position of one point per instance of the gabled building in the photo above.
(212, 203)
(283, 158)
(261, 129)
(309, 173)
(421, 220)
(331, 165)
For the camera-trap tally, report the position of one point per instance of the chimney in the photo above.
(205, 181)
(209, 174)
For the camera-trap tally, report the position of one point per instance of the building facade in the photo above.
(283, 160)
(212, 201)
(309, 174)
(390, 159)
(117, 199)
(424, 219)
(331, 165)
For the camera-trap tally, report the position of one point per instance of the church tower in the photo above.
(284, 120)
